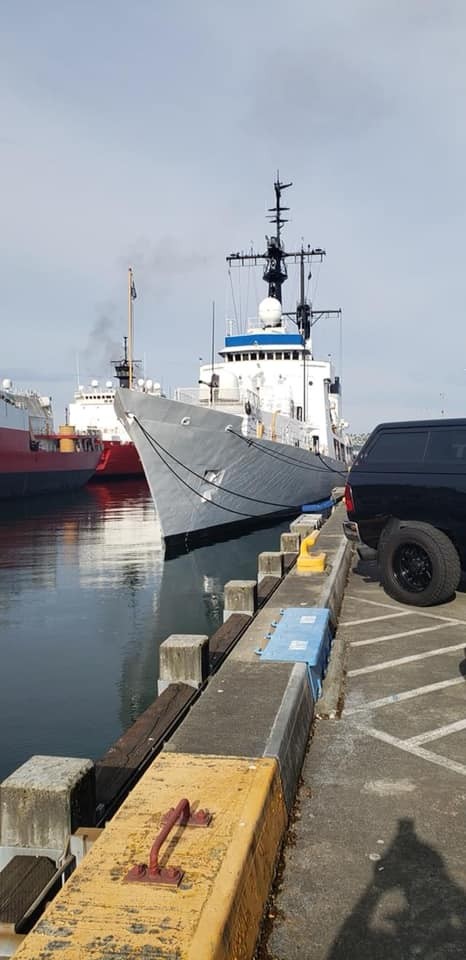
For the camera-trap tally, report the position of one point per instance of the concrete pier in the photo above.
(278, 702)
(239, 752)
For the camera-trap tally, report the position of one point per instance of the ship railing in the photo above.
(204, 396)
(289, 431)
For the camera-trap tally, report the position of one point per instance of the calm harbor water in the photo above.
(85, 600)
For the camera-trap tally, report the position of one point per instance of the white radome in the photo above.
(270, 312)
(228, 385)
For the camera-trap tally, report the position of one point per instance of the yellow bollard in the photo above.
(311, 562)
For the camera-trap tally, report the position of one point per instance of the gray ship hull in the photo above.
(206, 478)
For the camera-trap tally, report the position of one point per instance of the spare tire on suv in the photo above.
(418, 563)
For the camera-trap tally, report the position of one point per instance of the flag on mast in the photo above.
(133, 288)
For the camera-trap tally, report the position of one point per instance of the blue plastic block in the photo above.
(303, 635)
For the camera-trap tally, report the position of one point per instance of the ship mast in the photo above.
(130, 326)
(275, 269)
(275, 273)
(122, 367)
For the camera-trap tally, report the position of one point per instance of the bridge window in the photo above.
(295, 355)
(229, 357)
(261, 355)
(253, 356)
(237, 356)
(286, 356)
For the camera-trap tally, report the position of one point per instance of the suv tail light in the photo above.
(349, 502)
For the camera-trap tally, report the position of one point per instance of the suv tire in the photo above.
(418, 564)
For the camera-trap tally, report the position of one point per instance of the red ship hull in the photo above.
(26, 472)
(118, 460)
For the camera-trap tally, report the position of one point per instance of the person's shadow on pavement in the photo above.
(431, 922)
(462, 666)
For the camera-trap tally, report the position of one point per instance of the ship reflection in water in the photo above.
(85, 601)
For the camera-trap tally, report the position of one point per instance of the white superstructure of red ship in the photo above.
(33, 458)
(92, 409)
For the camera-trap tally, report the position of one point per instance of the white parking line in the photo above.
(386, 616)
(389, 606)
(374, 603)
(407, 633)
(438, 733)
(386, 664)
(416, 751)
(399, 697)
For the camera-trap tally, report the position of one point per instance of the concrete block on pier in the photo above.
(45, 800)
(226, 869)
(252, 710)
(290, 542)
(269, 564)
(183, 658)
(240, 596)
(306, 524)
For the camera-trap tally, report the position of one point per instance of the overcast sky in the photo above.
(150, 133)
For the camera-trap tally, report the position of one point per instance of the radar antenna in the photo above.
(275, 269)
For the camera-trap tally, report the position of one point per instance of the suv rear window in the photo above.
(393, 446)
(447, 445)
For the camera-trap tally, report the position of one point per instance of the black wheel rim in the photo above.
(412, 567)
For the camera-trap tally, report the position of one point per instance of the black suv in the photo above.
(406, 497)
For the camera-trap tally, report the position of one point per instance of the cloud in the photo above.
(156, 263)
(164, 160)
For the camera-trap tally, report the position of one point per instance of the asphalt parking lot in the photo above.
(375, 867)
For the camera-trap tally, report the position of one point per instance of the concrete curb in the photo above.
(290, 733)
(332, 596)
